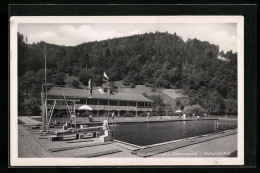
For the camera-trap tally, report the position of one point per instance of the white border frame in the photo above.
(15, 161)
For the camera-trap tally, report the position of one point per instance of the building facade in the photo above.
(101, 100)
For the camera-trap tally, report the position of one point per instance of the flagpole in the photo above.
(46, 109)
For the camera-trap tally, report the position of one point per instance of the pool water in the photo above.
(149, 133)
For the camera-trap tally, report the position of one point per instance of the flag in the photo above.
(90, 87)
(105, 75)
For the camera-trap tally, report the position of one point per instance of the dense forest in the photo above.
(159, 60)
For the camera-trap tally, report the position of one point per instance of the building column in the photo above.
(108, 103)
(118, 113)
(97, 112)
(74, 109)
(86, 104)
(136, 113)
(98, 101)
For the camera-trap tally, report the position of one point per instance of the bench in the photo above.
(77, 131)
(95, 134)
(56, 138)
(33, 127)
(83, 126)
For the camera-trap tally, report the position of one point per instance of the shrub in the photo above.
(107, 115)
(60, 113)
(128, 114)
(132, 85)
(147, 84)
(193, 109)
(171, 113)
(153, 89)
(32, 107)
(143, 115)
(74, 84)
(156, 114)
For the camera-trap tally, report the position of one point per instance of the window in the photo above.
(113, 102)
(82, 101)
(103, 102)
(132, 103)
(92, 102)
(140, 104)
(122, 103)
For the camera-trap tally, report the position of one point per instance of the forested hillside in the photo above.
(154, 59)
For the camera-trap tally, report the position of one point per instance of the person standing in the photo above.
(113, 118)
(184, 115)
(73, 120)
(106, 126)
(90, 118)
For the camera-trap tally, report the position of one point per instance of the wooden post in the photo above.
(43, 111)
(45, 80)
(217, 125)
(86, 104)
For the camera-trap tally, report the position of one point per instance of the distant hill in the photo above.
(153, 59)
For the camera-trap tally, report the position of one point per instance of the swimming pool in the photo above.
(148, 133)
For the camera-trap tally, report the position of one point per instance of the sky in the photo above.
(222, 34)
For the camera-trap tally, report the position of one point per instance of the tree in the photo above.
(32, 107)
(26, 81)
(113, 87)
(59, 79)
(231, 106)
(197, 109)
(216, 103)
(74, 84)
(155, 59)
(157, 105)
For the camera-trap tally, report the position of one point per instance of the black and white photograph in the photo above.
(127, 90)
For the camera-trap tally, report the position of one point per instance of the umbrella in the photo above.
(178, 111)
(85, 107)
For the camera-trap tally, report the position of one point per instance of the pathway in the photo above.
(34, 145)
(28, 120)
